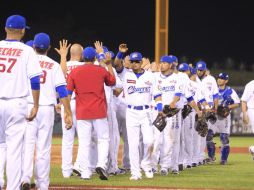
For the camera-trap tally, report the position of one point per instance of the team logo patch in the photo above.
(131, 81)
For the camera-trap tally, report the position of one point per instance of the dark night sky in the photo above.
(208, 29)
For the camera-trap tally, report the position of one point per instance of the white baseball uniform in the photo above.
(248, 96)
(69, 135)
(138, 95)
(39, 131)
(18, 64)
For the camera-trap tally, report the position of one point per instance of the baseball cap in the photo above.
(201, 65)
(223, 76)
(105, 49)
(16, 22)
(89, 53)
(166, 58)
(193, 71)
(183, 67)
(135, 56)
(175, 59)
(30, 43)
(42, 41)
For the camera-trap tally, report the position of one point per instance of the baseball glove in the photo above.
(160, 122)
(186, 111)
(201, 126)
(223, 111)
(211, 117)
(170, 112)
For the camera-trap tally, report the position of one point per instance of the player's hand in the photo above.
(172, 105)
(123, 48)
(58, 108)
(99, 47)
(146, 65)
(63, 48)
(68, 120)
(33, 113)
(155, 67)
(245, 118)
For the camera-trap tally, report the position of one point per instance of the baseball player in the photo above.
(248, 104)
(227, 98)
(18, 64)
(209, 85)
(69, 135)
(39, 132)
(138, 87)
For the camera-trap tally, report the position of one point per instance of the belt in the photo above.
(138, 107)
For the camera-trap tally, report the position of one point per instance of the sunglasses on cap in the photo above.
(135, 61)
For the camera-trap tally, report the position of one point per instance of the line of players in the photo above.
(141, 91)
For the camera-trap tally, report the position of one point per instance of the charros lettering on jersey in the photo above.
(133, 89)
(166, 88)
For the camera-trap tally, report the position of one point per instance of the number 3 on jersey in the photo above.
(43, 77)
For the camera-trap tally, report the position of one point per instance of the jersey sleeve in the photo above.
(59, 79)
(235, 97)
(33, 66)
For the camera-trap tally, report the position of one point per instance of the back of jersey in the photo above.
(52, 77)
(18, 63)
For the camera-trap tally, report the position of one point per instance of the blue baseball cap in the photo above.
(174, 58)
(183, 67)
(135, 56)
(30, 43)
(193, 71)
(223, 76)
(201, 65)
(42, 41)
(101, 57)
(112, 54)
(16, 22)
(105, 49)
(166, 58)
(89, 53)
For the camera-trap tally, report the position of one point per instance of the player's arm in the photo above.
(193, 104)
(63, 96)
(118, 62)
(110, 79)
(63, 51)
(35, 86)
(245, 114)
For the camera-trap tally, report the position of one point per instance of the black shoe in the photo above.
(180, 166)
(194, 165)
(25, 186)
(76, 172)
(175, 172)
(223, 162)
(188, 166)
(102, 173)
(33, 185)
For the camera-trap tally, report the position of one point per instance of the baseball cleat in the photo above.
(164, 172)
(188, 167)
(134, 178)
(175, 172)
(180, 166)
(194, 165)
(76, 172)
(25, 186)
(149, 174)
(102, 173)
(223, 162)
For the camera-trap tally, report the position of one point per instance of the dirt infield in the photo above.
(56, 152)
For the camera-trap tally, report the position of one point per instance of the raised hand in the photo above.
(146, 65)
(63, 48)
(123, 48)
(98, 46)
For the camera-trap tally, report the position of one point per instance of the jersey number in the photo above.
(43, 77)
(3, 66)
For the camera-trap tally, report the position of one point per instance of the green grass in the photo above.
(234, 141)
(238, 174)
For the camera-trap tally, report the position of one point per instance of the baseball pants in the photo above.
(68, 142)
(85, 128)
(38, 135)
(251, 118)
(2, 162)
(13, 124)
(137, 122)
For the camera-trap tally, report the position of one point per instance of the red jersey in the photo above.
(88, 82)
